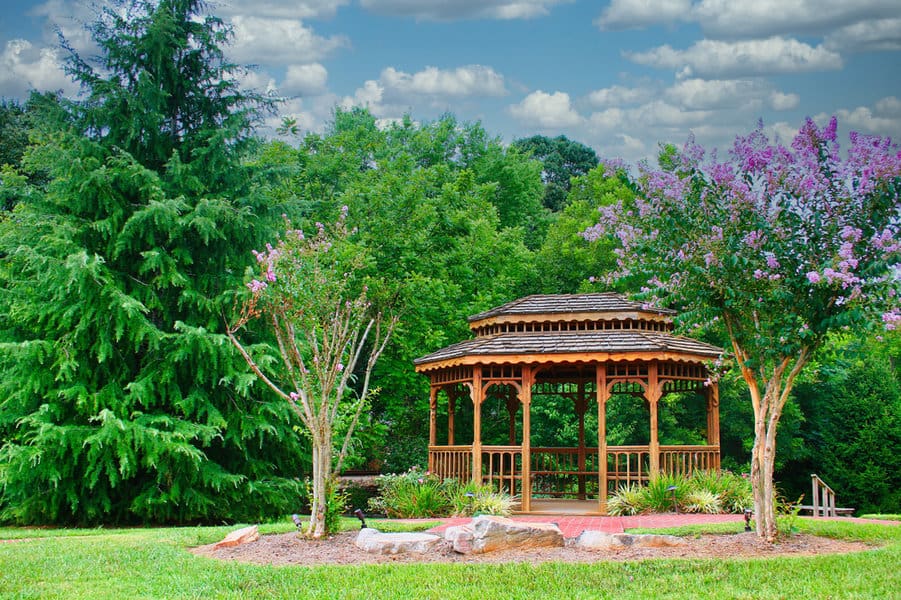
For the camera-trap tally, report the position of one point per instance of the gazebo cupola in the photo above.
(584, 347)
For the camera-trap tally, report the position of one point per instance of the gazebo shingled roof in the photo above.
(618, 342)
(549, 345)
(544, 304)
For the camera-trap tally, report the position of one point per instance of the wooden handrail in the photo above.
(823, 498)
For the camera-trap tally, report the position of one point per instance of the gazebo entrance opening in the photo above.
(524, 406)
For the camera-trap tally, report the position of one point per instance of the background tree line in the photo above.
(129, 217)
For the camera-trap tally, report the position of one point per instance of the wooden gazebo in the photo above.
(578, 347)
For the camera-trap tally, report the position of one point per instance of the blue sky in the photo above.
(620, 76)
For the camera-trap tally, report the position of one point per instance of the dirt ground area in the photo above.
(288, 549)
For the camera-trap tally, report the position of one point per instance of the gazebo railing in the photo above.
(502, 468)
(451, 462)
(685, 460)
(627, 465)
(568, 471)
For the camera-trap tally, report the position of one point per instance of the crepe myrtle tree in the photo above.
(325, 330)
(774, 247)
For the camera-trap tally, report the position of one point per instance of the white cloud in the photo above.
(304, 80)
(782, 101)
(24, 67)
(889, 106)
(546, 110)
(757, 19)
(397, 92)
(284, 9)
(763, 18)
(618, 96)
(443, 10)
(471, 80)
(631, 14)
(270, 41)
(884, 34)
(874, 121)
(712, 58)
(694, 94)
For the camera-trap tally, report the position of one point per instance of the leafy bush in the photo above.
(470, 499)
(628, 500)
(418, 494)
(336, 504)
(704, 492)
(413, 494)
(703, 501)
(733, 490)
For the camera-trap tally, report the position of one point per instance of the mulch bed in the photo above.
(288, 549)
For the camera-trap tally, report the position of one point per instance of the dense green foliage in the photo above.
(120, 398)
(136, 210)
(562, 159)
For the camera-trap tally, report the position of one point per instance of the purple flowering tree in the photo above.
(775, 247)
(323, 324)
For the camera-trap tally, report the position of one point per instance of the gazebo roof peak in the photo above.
(561, 304)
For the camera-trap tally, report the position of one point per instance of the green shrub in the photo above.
(468, 499)
(414, 494)
(704, 492)
(733, 490)
(660, 498)
(418, 494)
(336, 504)
(702, 501)
(628, 500)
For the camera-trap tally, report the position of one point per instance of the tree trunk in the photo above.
(767, 412)
(322, 470)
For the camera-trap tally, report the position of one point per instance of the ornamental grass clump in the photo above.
(420, 494)
(703, 492)
(410, 495)
(628, 500)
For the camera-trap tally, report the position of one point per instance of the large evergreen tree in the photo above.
(120, 396)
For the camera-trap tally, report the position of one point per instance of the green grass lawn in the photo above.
(154, 563)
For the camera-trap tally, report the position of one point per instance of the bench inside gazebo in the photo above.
(581, 350)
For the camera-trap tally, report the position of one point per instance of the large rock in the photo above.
(238, 537)
(488, 534)
(376, 542)
(598, 540)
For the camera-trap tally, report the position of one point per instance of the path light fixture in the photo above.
(748, 513)
(359, 514)
(672, 489)
(297, 522)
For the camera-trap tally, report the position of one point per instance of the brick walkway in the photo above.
(573, 526)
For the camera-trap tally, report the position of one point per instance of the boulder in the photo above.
(598, 540)
(238, 537)
(488, 534)
(376, 542)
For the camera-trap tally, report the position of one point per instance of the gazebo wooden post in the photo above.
(602, 396)
(581, 406)
(433, 415)
(653, 395)
(713, 419)
(433, 426)
(477, 394)
(526, 399)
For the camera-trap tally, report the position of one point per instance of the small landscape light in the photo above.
(297, 522)
(359, 514)
(748, 513)
(672, 490)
